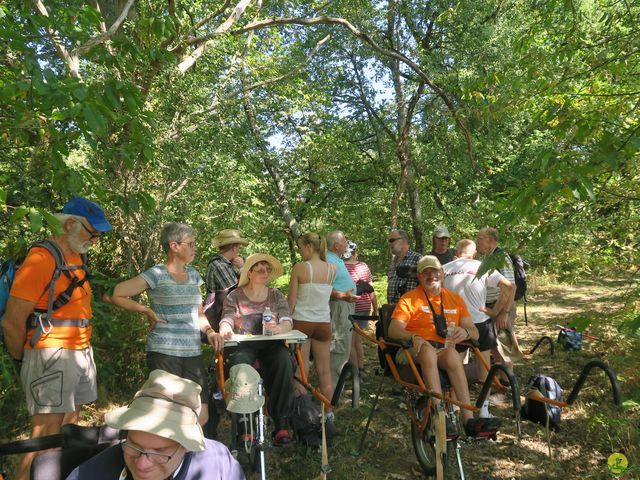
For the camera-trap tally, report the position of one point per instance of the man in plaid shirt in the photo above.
(401, 256)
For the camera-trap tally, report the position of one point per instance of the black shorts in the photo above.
(487, 338)
(191, 368)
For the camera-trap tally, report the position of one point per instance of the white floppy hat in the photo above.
(242, 387)
(276, 267)
(167, 406)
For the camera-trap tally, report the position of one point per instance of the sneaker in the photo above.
(481, 427)
(282, 438)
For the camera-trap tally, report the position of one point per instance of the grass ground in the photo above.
(591, 429)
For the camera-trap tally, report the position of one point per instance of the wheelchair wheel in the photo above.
(424, 442)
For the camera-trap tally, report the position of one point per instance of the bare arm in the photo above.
(374, 303)
(122, 294)
(14, 325)
(504, 303)
(215, 339)
(292, 296)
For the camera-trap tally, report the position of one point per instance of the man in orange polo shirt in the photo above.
(58, 372)
(416, 317)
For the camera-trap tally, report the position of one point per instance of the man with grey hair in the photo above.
(504, 316)
(341, 304)
(49, 329)
(405, 258)
(460, 276)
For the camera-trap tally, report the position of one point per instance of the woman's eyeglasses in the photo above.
(135, 453)
(391, 240)
(261, 270)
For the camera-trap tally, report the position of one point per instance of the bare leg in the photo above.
(357, 352)
(42, 424)
(323, 369)
(298, 388)
(428, 360)
(449, 360)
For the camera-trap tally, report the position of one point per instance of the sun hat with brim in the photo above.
(509, 350)
(276, 267)
(229, 237)
(91, 211)
(351, 247)
(167, 406)
(242, 387)
(428, 261)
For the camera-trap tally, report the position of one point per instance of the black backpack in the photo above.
(306, 421)
(519, 274)
(538, 412)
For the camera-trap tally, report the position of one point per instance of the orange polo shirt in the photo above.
(32, 284)
(413, 310)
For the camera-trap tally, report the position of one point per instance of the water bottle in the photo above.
(267, 318)
(451, 326)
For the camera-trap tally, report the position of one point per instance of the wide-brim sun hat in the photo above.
(167, 406)
(351, 247)
(242, 389)
(229, 237)
(276, 267)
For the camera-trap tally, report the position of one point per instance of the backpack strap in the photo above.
(38, 318)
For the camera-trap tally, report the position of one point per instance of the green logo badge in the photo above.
(617, 463)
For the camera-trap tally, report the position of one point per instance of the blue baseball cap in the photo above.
(91, 211)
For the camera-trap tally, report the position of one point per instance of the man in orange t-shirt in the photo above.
(416, 317)
(58, 372)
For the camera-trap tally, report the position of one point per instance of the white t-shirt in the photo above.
(460, 277)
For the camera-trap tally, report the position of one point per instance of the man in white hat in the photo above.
(440, 242)
(164, 439)
(421, 317)
(223, 272)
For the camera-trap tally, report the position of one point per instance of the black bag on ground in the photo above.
(538, 412)
(306, 421)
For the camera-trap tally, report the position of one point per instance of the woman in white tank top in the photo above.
(309, 291)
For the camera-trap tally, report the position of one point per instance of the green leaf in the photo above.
(18, 213)
(54, 224)
(35, 218)
(80, 93)
(580, 323)
(95, 121)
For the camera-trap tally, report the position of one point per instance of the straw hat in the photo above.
(167, 406)
(276, 267)
(242, 387)
(229, 237)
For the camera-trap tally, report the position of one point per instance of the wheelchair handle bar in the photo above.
(615, 384)
(513, 382)
(547, 339)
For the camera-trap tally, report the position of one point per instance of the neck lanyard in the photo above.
(433, 310)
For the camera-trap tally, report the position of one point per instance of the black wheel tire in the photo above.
(424, 442)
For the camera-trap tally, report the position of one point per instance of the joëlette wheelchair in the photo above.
(62, 452)
(254, 445)
(432, 445)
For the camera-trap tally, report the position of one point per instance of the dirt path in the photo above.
(591, 428)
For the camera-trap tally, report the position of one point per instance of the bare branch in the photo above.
(72, 63)
(237, 12)
(206, 19)
(290, 74)
(103, 37)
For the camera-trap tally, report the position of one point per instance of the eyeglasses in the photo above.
(92, 234)
(261, 270)
(191, 244)
(135, 453)
(391, 240)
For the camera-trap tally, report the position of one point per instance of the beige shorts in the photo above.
(57, 380)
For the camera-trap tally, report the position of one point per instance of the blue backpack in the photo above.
(538, 412)
(8, 273)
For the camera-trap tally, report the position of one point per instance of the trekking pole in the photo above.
(261, 435)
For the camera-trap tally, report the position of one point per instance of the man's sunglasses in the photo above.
(92, 235)
(391, 240)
